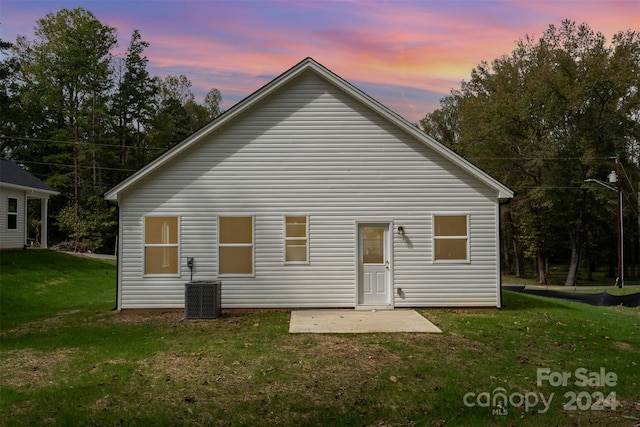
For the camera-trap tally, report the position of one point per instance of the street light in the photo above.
(613, 178)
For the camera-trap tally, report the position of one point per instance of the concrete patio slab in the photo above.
(358, 321)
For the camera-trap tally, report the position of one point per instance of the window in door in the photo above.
(373, 245)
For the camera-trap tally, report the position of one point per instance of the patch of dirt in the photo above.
(73, 246)
(107, 403)
(28, 367)
(174, 316)
(39, 326)
(188, 367)
(154, 317)
(330, 368)
(347, 351)
(624, 346)
(98, 366)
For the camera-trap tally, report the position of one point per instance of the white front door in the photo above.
(374, 288)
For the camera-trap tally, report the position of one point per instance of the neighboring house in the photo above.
(309, 193)
(16, 187)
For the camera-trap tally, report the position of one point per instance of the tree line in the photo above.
(82, 118)
(553, 113)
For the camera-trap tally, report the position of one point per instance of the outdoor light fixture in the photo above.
(401, 230)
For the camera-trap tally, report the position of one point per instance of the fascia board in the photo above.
(29, 190)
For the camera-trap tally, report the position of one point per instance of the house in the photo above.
(17, 186)
(309, 193)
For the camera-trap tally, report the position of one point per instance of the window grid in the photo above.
(236, 246)
(451, 238)
(296, 239)
(12, 213)
(161, 246)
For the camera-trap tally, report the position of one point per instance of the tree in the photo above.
(82, 120)
(133, 103)
(89, 226)
(6, 97)
(64, 74)
(175, 88)
(544, 119)
(178, 115)
(21, 116)
(212, 101)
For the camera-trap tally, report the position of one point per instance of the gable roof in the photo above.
(12, 175)
(295, 71)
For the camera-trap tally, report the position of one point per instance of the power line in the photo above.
(55, 141)
(28, 139)
(537, 158)
(74, 166)
(627, 176)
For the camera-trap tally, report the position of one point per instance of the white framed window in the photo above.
(12, 213)
(450, 237)
(236, 246)
(296, 239)
(161, 245)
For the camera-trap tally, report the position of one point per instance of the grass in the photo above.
(558, 274)
(67, 359)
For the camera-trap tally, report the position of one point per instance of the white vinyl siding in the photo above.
(311, 148)
(12, 221)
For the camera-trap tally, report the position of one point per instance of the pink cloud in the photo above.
(391, 46)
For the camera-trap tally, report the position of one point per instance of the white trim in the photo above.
(243, 245)
(159, 245)
(25, 225)
(286, 239)
(498, 259)
(32, 192)
(309, 64)
(13, 214)
(389, 255)
(44, 223)
(434, 237)
(119, 260)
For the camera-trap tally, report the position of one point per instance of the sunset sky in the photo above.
(405, 54)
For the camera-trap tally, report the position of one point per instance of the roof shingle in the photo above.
(10, 173)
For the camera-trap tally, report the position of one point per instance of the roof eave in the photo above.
(31, 190)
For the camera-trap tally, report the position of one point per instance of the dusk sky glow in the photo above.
(405, 54)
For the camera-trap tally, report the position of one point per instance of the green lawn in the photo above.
(67, 359)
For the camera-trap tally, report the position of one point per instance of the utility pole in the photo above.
(614, 177)
(620, 227)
